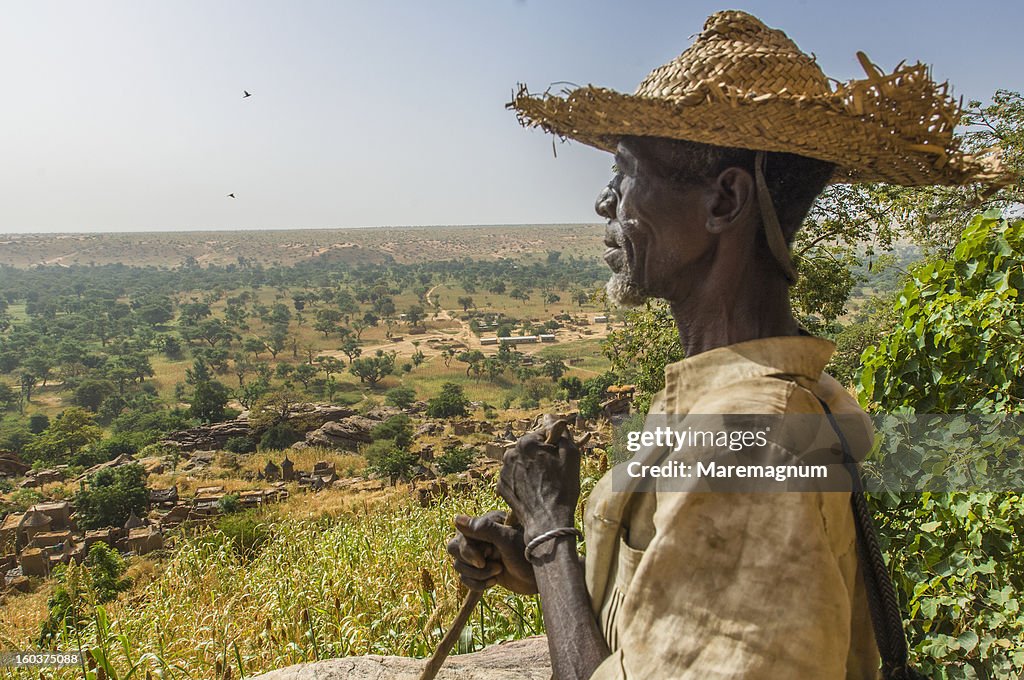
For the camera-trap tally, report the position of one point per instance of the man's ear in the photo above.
(729, 198)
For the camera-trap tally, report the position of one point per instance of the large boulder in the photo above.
(519, 660)
(345, 434)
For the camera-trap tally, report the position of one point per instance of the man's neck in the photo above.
(755, 306)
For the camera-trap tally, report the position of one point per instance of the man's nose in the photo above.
(607, 203)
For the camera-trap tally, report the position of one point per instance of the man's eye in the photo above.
(615, 169)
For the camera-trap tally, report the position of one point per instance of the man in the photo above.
(718, 158)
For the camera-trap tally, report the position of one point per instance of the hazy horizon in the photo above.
(268, 229)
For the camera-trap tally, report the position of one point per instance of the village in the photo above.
(34, 542)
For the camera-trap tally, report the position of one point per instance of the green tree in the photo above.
(8, 397)
(451, 401)
(329, 365)
(640, 350)
(956, 348)
(414, 315)
(554, 368)
(350, 348)
(106, 572)
(400, 397)
(327, 321)
(110, 496)
(473, 360)
(371, 370)
(397, 428)
(91, 392)
(209, 401)
(456, 459)
(70, 432)
(386, 459)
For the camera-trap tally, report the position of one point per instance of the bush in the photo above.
(279, 436)
(229, 503)
(246, 532)
(387, 459)
(111, 495)
(455, 460)
(37, 422)
(450, 402)
(528, 402)
(67, 605)
(156, 423)
(209, 401)
(400, 397)
(573, 387)
(110, 448)
(590, 406)
(240, 445)
(347, 398)
(106, 572)
(397, 428)
(21, 500)
(15, 434)
(98, 581)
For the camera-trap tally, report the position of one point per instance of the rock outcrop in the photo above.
(519, 660)
(345, 434)
(216, 435)
(208, 437)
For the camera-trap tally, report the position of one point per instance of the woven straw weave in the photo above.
(742, 84)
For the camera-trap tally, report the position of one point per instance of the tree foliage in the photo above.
(451, 401)
(956, 348)
(70, 432)
(110, 496)
(958, 343)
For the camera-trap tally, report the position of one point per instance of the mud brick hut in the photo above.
(34, 562)
(144, 540)
(32, 522)
(59, 513)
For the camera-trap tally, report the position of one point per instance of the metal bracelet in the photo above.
(547, 536)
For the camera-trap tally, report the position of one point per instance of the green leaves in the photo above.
(953, 560)
(958, 344)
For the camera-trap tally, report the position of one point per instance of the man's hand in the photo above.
(489, 553)
(541, 482)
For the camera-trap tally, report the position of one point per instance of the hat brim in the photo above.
(863, 148)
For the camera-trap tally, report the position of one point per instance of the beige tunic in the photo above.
(716, 586)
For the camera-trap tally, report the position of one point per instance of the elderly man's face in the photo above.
(655, 234)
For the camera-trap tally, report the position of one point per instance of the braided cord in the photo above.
(886, 616)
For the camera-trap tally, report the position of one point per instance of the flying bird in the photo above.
(231, 195)
(245, 94)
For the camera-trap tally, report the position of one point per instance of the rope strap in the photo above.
(772, 228)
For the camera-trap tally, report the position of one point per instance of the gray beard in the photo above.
(623, 292)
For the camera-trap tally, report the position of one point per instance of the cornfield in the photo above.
(371, 582)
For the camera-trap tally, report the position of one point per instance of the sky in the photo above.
(129, 116)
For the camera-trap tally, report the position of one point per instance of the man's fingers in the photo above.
(483, 528)
(491, 570)
(478, 586)
(467, 551)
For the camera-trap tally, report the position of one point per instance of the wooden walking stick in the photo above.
(554, 432)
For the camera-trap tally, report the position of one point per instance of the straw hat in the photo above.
(742, 84)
